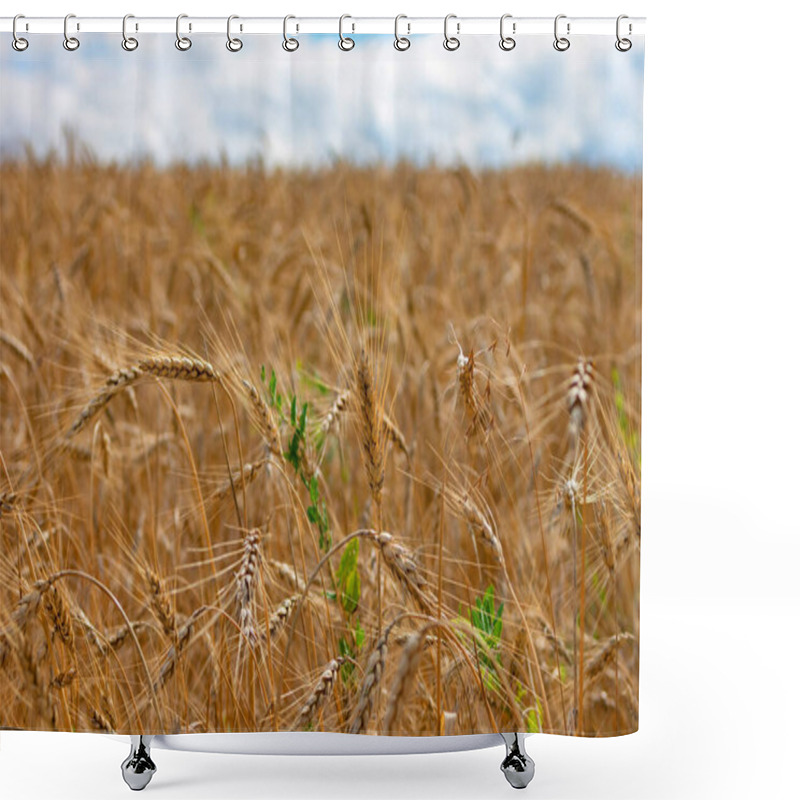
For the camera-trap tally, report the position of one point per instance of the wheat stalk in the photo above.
(16, 347)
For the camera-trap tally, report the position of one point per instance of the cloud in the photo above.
(478, 105)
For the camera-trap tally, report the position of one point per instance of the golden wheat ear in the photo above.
(246, 579)
(373, 435)
(319, 694)
(180, 368)
(580, 388)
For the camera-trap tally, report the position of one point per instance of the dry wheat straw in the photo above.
(105, 452)
(17, 348)
(395, 436)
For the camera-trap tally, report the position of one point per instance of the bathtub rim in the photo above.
(319, 743)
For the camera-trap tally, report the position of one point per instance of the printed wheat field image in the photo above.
(379, 472)
(349, 447)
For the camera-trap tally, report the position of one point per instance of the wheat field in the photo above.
(350, 449)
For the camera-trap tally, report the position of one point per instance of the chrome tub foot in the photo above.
(138, 768)
(517, 766)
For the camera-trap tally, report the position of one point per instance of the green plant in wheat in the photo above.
(347, 580)
(487, 623)
(295, 456)
(348, 583)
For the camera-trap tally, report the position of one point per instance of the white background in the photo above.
(721, 539)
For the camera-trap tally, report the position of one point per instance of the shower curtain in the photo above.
(320, 385)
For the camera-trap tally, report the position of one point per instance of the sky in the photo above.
(478, 106)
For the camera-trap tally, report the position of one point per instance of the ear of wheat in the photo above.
(182, 638)
(246, 578)
(58, 614)
(319, 694)
(264, 419)
(335, 412)
(277, 619)
(578, 393)
(170, 367)
(370, 684)
(64, 679)
(161, 603)
(406, 671)
(373, 437)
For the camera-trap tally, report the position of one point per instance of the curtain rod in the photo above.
(459, 26)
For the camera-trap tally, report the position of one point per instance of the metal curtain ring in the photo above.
(623, 45)
(129, 43)
(507, 42)
(18, 43)
(183, 43)
(234, 45)
(561, 43)
(401, 42)
(70, 43)
(290, 44)
(451, 42)
(345, 42)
